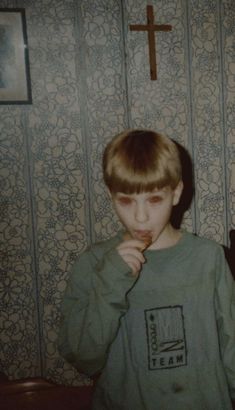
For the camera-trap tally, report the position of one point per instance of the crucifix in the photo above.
(150, 27)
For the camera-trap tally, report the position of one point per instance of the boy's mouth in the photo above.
(142, 235)
(145, 236)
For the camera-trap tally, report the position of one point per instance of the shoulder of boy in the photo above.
(206, 243)
(98, 249)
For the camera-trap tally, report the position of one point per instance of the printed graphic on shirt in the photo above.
(166, 337)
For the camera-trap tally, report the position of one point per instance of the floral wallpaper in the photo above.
(90, 80)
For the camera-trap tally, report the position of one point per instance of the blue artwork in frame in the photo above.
(15, 86)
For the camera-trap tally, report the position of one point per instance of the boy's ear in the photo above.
(178, 192)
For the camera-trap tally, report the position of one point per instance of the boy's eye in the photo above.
(155, 199)
(124, 200)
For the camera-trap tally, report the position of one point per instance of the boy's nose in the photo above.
(141, 214)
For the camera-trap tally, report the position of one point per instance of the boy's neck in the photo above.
(167, 239)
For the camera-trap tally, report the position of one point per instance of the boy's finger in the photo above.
(132, 243)
(133, 263)
(132, 252)
(146, 240)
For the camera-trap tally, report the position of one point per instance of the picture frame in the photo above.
(15, 85)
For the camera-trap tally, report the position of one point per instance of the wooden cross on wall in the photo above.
(150, 27)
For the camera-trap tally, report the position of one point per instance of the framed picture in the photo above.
(15, 87)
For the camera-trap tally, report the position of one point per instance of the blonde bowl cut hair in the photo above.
(138, 161)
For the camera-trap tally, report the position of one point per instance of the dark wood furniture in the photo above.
(41, 394)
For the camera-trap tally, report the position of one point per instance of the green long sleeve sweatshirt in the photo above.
(164, 340)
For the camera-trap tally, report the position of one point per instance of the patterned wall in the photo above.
(90, 80)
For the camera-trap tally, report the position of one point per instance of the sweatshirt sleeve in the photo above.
(225, 310)
(93, 303)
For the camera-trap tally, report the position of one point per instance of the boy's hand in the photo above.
(131, 252)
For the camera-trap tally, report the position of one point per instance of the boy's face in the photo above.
(147, 213)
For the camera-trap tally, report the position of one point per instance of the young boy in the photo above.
(152, 309)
